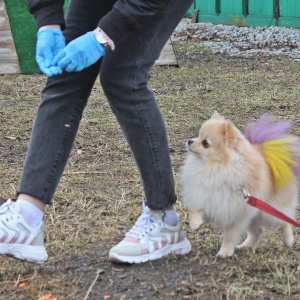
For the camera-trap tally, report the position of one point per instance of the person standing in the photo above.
(120, 40)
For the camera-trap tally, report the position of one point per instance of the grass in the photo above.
(24, 33)
(99, 196)
(23, 27)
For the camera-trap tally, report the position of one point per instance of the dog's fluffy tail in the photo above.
(280, 148)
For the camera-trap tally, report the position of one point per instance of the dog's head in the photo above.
(217, 141)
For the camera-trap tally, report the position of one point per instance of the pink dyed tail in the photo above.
(267, 129)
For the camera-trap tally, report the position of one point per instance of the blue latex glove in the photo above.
(80, 53)
(49, 43)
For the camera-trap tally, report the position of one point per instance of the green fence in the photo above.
(250, 12)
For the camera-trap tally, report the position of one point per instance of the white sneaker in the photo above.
(149, 239)
(19, 239)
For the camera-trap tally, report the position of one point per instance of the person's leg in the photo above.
(125, 74)
(62, 103)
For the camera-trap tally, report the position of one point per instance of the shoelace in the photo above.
(5, 211)
(141, 228)
(5, 206)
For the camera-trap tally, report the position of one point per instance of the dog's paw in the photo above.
(196, 219)
(195, 224)
(287, 235)
(226, 254)
(243, 246)
(289, 241)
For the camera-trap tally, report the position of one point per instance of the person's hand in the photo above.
(80, 53)
(49, 43)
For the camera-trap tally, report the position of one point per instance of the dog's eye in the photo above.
(205, 144)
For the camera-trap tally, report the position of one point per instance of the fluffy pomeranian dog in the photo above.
(222, 163)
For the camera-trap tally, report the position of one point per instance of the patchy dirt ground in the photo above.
(99, 197)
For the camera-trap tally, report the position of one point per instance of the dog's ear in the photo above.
(230, 133)
(216, 116)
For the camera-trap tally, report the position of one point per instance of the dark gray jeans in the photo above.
(124, 75)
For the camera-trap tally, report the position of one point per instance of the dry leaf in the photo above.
(22, 284)
(48, 297)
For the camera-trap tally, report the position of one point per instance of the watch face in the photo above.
(103, 39)
(99, 37)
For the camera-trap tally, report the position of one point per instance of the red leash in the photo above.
(270, 210)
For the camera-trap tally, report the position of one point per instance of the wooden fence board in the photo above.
(9, 62)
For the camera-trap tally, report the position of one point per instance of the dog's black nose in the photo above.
(190, 142)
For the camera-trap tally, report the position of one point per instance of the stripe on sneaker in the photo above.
(14, 235)
(18, 235)
(24, 240)
(3, 239)
(17, 238)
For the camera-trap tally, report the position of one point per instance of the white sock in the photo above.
(170, 217)
(31, 214)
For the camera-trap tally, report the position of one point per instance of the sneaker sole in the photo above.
(182, 248)
(33, 254)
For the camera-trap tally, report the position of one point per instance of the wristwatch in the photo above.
(100, 37)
